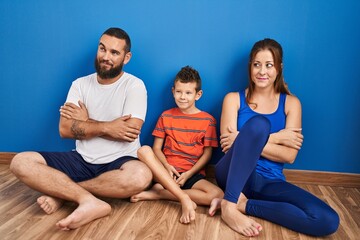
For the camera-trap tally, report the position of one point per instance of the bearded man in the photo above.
(104, 112)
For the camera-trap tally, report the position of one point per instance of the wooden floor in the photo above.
(21, 218)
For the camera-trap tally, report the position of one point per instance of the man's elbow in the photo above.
(63, 133)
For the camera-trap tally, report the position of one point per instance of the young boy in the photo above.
(184, 138)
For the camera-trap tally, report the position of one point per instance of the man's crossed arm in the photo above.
(75, 123)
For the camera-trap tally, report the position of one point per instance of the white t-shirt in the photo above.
(105, 103)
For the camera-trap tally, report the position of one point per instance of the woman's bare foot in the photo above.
(86, 212)
(188, 210)
(152, 194)
(241, 204)
(214, 206)
(238, 221)
(49, 204)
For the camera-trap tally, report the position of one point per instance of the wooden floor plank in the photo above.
(21, 217)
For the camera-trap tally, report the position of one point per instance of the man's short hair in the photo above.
(120, 34)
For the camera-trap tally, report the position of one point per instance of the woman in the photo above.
(260, 132)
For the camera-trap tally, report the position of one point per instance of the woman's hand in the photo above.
(289, 137)
(227, 139)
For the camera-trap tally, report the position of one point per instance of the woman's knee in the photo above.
(259, 124)
(329, 222)
(257, 128)
(324, 222)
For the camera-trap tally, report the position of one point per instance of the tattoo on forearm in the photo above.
(77, 131)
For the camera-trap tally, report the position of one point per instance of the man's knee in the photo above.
(141, 175)
(22, 162)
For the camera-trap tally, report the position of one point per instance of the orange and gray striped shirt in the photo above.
(185, 135)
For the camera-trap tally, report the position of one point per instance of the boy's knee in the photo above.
(213, 191)
(217, 193)
(143, 151)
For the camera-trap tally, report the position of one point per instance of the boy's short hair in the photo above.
(188, 74)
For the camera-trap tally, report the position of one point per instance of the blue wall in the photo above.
(45, 45)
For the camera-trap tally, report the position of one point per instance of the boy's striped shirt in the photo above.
(185, 135)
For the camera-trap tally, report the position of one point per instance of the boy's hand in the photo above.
(172, 171)
(183, 178)
(71, 111)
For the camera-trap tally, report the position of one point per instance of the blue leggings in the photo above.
(274, 200)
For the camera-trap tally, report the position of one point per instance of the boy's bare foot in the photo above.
(152, 194)
(214, 206)
(238, 221)
(187, 205)
(188, 210)
(86, 212)
(49, 204)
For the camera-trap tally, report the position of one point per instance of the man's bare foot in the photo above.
(86, 212)
(152, 194)
(188, 210)
(49, 204)
(238, 221)
(214, 206)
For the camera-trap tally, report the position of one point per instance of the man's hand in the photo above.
(227, 139)
(120, 129)
(72, 111)
(117, 130)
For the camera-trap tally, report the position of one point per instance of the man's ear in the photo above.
(127, 57)
(198, 95)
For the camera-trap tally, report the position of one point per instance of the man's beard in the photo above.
(107, 74)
